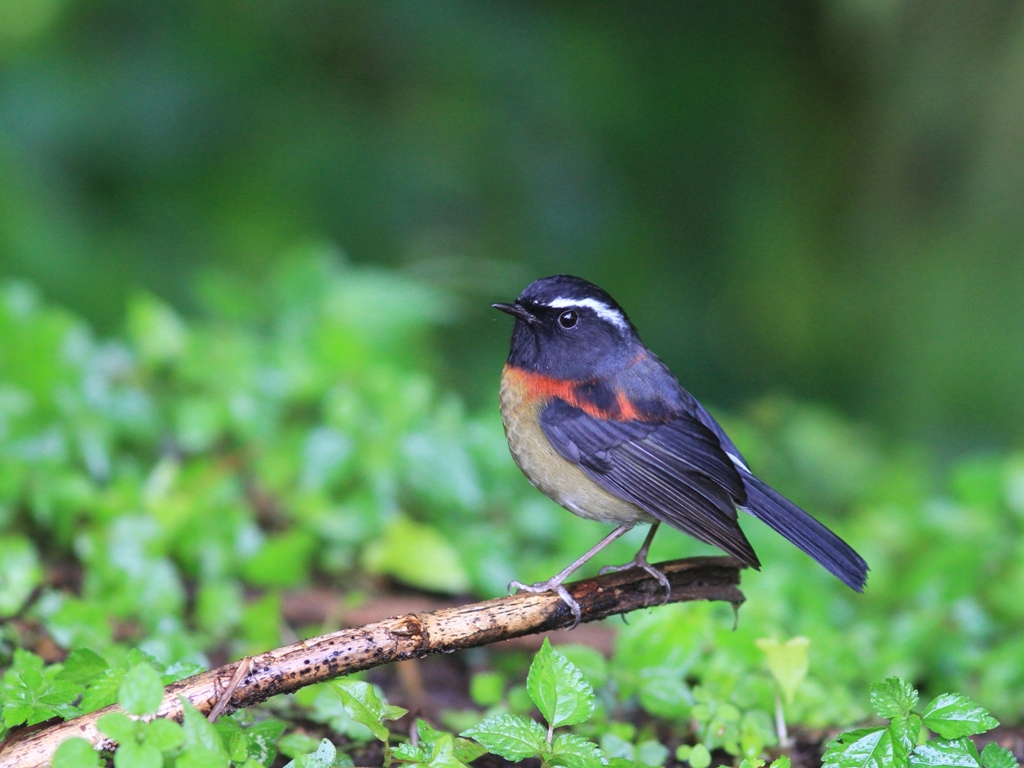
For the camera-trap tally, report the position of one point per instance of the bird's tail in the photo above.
(838, 557)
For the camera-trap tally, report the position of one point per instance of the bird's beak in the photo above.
(516, 310)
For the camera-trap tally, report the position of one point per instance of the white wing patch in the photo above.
(601, 309)
(738, 463)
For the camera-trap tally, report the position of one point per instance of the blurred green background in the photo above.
(821, 199)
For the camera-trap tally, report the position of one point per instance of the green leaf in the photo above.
(443, 753)
(893, 698)
(995, 756)
(558, 688)
(132, 754)
(31, 694)
(663, 692)
(165, 735)
(198, 756)
(651, 752)
(324, 757)
(953, 715)
(787, 662)
(417, 554)
(199, 732)
(83, 666)
(78, 753)
(904, 731)
(364, 706)
(574, 751)
(486, 688)
(945, 754)
(590, 661)
(20, 572)
(618, 745)
(282, 561)
(141, 691)
(159, 334)
(295, 744)
(510, 736)
(465, 750)
(782, 761)
(700, 757)
(866, 748)
(103, 690)
(119, 727)
(262, 738)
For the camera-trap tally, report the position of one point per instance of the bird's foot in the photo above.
(551, 585)
(640, 561)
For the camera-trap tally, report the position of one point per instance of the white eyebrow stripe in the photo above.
(602, 310)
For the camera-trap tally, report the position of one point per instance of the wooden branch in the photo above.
(412, 636)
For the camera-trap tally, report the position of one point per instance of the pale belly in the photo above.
(554, 475)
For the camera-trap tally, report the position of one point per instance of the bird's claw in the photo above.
(641, 563)
(551, 586)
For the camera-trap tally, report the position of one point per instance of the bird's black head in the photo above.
(568, 328)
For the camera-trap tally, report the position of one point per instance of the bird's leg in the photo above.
(554, 584)
(640, 561)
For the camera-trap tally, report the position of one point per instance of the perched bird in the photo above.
(598, 423)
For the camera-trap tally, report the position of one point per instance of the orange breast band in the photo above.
(585, 395)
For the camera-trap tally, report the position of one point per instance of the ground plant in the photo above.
(169, 494)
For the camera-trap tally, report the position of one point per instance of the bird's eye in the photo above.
(568, 318)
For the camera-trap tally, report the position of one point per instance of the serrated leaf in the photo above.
(78, 753)
(904, 731)
(465, 751)
(510, 736)
(865, 748)
(141, 691)
(893, 698)
(103, 690)
(574, 751)
(83, 666)
(995, 756)
(953, 715)
(364, 706)
(944, 754)
(787, 662)
(558, 688)
(443, 753)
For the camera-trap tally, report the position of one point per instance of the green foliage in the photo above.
(32, 693)
(903, 743)
(564, 697)
(787, 662)
(364, 706)
(190, 474)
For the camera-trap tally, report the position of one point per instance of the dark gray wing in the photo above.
(675, 470)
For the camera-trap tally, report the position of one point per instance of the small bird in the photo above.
(598, 423)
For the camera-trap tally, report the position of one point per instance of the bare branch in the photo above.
(412, 636)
